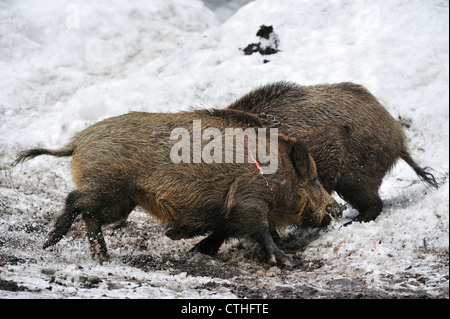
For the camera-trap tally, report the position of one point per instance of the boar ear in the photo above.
(300, 158)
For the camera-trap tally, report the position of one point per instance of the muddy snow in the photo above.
(68, 64)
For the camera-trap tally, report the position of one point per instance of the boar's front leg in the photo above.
(211, 244)
(250, 218)
(275, 254)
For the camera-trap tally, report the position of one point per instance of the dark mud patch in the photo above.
(10, 285)
(6, 259)
(175, 266)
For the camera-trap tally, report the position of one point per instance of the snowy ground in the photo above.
(67, 64)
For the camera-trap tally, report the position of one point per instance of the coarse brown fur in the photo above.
(124, 161)
(352, 138)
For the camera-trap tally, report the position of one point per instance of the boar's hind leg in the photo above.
(95, 238)
(64, 219)
(96, 209)
(364, 198)
(369, 209)
(109, 212)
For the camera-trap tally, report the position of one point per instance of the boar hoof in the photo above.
(205, 249)
(211, 244)
(280, 260)
(53, 237)
(174, 233)
(364, 218)
(102, 255)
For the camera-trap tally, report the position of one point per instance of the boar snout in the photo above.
(334, 209)
(321, 215)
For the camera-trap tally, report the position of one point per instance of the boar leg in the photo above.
(275, 254)
(211, 244)
(249, 217)
(363, 198)
(97, 208)
(95, 238)
(64, 219)
(175, 232)
(94, 219)
(369, 208)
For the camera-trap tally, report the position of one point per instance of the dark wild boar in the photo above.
(353, 140)
(126, 161)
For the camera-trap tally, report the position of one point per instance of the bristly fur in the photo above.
(234, 116)
(353, 140)
(125, 161)
(265, 97)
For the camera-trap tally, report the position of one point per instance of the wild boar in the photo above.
(353, 140)
(139, 159)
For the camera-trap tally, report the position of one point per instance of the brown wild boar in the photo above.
(126, 161)
(353, 140)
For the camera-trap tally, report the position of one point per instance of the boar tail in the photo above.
(31, 153)
(421, 172)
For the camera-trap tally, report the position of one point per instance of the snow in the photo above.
(66, 65)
